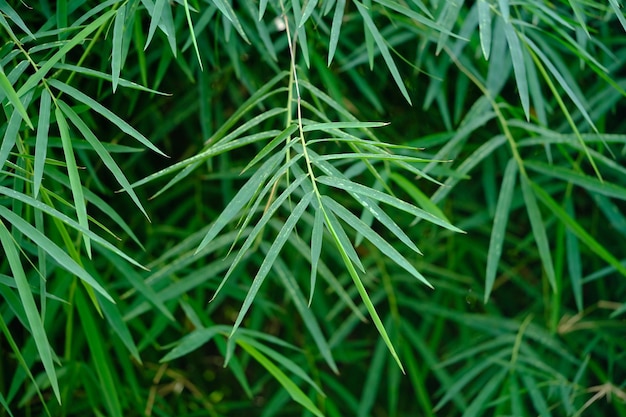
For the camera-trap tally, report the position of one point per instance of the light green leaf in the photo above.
(316, 247)
(108, 114)
(538, 228)
(7, 88)
(385, 247)
(270, 256)
(335, 29)
(590, 184)
(308, 10)
(231, 15)
(72, 171)
(118, 38)
(519, 66)
(12, 194)
(484, 25)
(242, 198)
(384, 50)
(102, 153)
(34, 319)
(293, 390)
(353, 187)
(41, 145)
(80, 37)
(291, 284)
(500, 221)
(618, 12)
(63, 259)
(192, 32)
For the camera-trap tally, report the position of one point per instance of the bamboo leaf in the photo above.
(385, 247)
(108, 114)
(41, 145)
(72, 171)
(63, 259)
(335, 29)
(539, 230)
(271, 256)
(293, 390)
(519, 66)
(384, 50)
(500, 221)
(353, 187)
(316, 248)
(7, 88)
(34, 319)
(102, 153)
(118, 37)
(484, 25)
(578, 230)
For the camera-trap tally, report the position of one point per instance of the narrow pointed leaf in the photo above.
(500, 221)
(41, 144)
(539, 230)
(32, 313)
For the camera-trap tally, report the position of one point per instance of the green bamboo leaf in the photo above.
(484, 25)
(41, 145)
(193, 341)
(15, 17)
(100, 358)
(155, 19)
(590, 184)
(618, 12)
(385, 247)
(243, 197)
(447, 19)
(12, 194)
(505, 10)
(316, 248)
(291, 284)
(116, 322)
(34, 319)
(262, 8)
(480, 403)
(80, 37)
(105, 157)
(293, 390)
(341, 125)
(578, 230)
(25, 366)
(280, 139)
(286, 363)
(118, 39)
(538, 228)
(192, 32)
(231, 15)
(342, 248)
(62, 258)
(539, 401)
(271, 256)
(72, 171)
(519, 66)
(414, 192)
(10, 136)
(108, 114)
(354, 187)
(7, 88)
(376, 368)
(574, 263)
(308, 11)
(384, 50)
(500, 221)
(335, 29)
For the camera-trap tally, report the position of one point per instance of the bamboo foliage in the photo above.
(305, 197)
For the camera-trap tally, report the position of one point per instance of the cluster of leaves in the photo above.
(217, 208)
